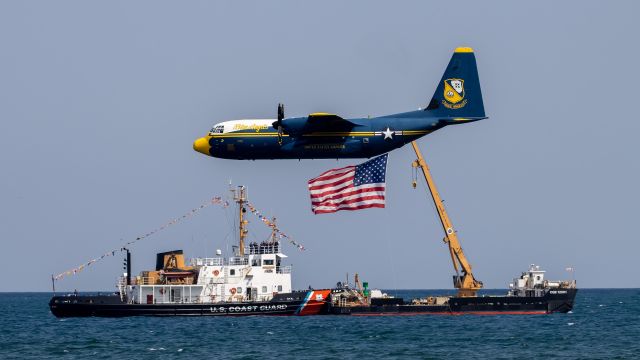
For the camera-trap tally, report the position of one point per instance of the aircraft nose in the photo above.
(202, 146)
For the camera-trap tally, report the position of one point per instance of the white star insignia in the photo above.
(388, 134)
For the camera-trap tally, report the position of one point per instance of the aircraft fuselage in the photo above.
(258, 139)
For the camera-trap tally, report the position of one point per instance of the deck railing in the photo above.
(207, 261)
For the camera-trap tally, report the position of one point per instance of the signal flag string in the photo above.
(213, 201)
(273, 226)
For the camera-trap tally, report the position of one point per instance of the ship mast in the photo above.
(240, 197)
(466, 284)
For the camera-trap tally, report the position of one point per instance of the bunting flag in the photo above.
(275, 228)
(214, 201)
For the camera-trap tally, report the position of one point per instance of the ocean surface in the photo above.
(604, 324)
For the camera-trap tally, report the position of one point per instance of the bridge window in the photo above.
(279, 288)
(232, 272)
(264, 289)
(267, 262)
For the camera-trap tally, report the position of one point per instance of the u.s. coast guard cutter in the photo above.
(253, 281)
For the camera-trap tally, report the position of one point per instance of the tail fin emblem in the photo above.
(454, 94)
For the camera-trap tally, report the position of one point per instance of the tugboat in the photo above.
(254, 281)
(528, 294)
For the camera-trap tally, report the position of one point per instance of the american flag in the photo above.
(350, 188)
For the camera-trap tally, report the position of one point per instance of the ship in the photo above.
(530, 293)
(253, 281)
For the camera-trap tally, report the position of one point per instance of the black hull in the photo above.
(112, 306)
(298, 304)
(558, 302)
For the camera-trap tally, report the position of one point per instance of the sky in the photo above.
(100, 103)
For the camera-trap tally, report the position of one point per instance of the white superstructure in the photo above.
(254, 273)
(533, 283)
(256, 276)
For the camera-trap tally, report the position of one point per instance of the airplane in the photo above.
(457, 100)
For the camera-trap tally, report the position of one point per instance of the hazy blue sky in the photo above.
(100, 103)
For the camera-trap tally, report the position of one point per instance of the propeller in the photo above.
(279, 122)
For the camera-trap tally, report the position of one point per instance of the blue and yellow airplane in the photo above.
(457, 100)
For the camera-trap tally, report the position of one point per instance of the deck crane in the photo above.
(466, 284)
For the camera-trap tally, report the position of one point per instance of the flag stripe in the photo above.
(351, 205)
(331, 189)
(347, 192)
(330, 182)
(358, 194)
(322, 211)
(329, 173)
(357, 200)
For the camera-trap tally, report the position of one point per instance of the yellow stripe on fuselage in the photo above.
(415, 132)
(342, 133)
(315, 134)
(241, 134)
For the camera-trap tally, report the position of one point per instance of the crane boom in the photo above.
(466, 284)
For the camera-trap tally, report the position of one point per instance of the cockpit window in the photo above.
(218, 129)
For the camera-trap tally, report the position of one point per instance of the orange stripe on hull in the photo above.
(316, 303)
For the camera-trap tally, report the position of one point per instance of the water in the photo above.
(604, 324)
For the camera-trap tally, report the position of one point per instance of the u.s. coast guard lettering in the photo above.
(247, 308)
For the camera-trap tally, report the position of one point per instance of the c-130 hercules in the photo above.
(457, 100)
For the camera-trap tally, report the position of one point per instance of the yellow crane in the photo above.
(466, 284)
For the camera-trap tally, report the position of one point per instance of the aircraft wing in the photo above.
(316, 122)
(324, 119)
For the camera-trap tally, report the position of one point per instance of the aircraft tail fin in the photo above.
(458, 96)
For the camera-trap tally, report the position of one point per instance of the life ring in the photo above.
(216, 272)
(233, 291)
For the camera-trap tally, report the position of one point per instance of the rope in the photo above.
(273, 226)
(214, 201)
